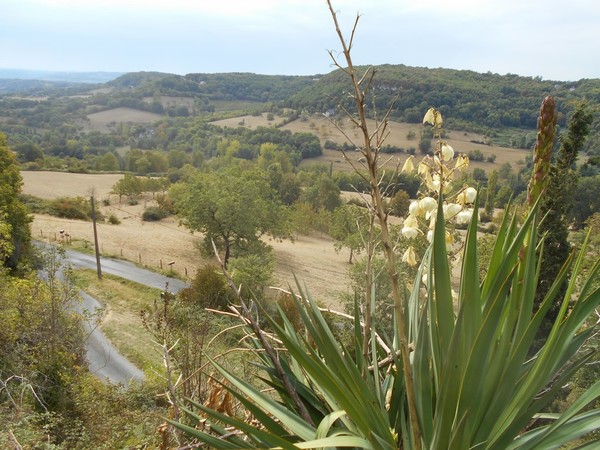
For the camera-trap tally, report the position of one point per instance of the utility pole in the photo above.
(96, 239)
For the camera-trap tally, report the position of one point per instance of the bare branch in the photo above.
(260, 334)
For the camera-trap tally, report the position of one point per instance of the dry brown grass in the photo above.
(342, 131)
(312, 258)
(104, 120)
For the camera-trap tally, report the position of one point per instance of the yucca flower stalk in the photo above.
(542, 152)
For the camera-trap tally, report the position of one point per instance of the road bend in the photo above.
(103, 358)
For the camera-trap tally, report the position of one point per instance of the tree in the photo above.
(41, 338)
(28, 152)
(586, 200)
(558, 200)
(13, 213)
(324, 194)
(107, 162)
(399, 203)
(349, 228)
(129, 185)
(232, 209)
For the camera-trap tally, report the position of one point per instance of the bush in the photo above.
(154, 214)
(71, 208)
(399, 204)
(113, 220)
(476, 155)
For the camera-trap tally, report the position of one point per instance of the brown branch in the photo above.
(371, 155)
(289, 387)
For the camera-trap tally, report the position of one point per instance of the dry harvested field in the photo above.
(101, 121)
(248, 121)
(311, 258)
(343, 131)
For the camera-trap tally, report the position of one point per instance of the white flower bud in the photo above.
(470, 194)
(410, 232)
(409, 257)
(464, 216)
(428, 204)
(414, 209)
(451, 210)
(447, 152)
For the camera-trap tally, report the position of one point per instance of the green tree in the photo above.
(302, 218)
(324, 194)
(232, 209)
(28, 152)
(350, 228)
(399, 203)
(558, 200)
(129, 185)
(490, 197)
(107, 162)
(13, 213)
(586, 200)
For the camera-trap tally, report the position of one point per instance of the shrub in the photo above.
(154, 214)
(71, 208)
(113, 219)
(476, 155)
(399, 204)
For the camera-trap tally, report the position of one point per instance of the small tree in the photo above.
(349, 228)
(399, 204)
(233, 210)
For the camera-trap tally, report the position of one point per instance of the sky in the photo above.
(556, 40)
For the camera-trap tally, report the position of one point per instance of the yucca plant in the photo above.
(456, 373)
(476, 386)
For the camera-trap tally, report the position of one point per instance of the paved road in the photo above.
(125, 269)
(104, 359)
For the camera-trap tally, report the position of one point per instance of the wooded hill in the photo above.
(485, 103)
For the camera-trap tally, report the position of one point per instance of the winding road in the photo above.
(104, 360)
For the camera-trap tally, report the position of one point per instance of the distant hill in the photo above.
(47, 75)
(215, 86)
(483, 100)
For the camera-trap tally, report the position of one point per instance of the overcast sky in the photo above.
(557, 40)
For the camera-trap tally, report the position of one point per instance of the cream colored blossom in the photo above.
(410, 257)
(408, 166)
(430, 236)
(428, 204)
(470, 194)
(449, 238)
(433, 117)
(411, 228)
(451, 210)
(447, 152)
(414, 209)
(410, 232)
(462, 162)
(464, 216)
